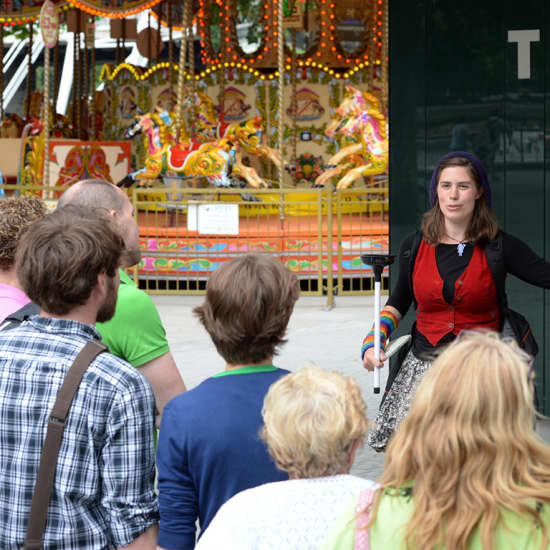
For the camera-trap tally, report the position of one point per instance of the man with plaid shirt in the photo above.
(103, 494)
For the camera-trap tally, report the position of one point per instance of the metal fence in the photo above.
(318, 234)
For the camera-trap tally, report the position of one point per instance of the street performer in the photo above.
(447, 271)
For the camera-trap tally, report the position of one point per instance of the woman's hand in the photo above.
(370, 363)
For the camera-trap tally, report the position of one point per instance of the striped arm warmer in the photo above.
(388, 323)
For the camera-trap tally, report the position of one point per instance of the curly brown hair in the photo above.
(16, 215)
(248, 304)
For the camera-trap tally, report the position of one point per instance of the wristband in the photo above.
(388, 323)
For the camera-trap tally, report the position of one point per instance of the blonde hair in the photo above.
(469, 446)
(312, 419)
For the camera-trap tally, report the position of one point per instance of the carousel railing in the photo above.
(319, 234)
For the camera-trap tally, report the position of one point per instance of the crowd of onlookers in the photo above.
(254, 457)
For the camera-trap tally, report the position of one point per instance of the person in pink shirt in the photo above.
(16, 214)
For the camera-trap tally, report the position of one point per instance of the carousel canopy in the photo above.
(15, 12)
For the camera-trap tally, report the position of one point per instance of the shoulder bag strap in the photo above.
(494, 256)
(362, 535)
(50, 451)
(17, 317)
(411, 253)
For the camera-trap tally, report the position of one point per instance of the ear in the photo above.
(100, 289)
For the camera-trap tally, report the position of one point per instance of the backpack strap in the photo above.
(495, 260)
(411, 254)
(17, 317)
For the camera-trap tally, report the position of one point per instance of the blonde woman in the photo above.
(314, 421)
(465, 470)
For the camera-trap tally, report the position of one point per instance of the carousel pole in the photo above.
(159, 28)
(29, 76)
(281, 60)
(149, 44)
(170, 43)
(75, 82)
(221, 93)
(94, 105)
(191, 47)
(181, 73)
(55, 73)
(86, 94)
(49, 27)
(117, 52)
(46, 119)
(267, 122)
(123, 40)
(294, 108)
(78, 81)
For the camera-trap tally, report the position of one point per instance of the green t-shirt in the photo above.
(394, 512)
(135, 333)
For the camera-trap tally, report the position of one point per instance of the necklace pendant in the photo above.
(460, 248)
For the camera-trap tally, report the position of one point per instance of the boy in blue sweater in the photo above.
(209, 446)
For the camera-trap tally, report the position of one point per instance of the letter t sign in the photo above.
(524, 39)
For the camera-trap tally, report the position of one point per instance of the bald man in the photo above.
(135, 333)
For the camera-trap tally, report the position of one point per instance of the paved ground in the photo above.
(330, 339)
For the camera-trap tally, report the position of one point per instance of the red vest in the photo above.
(475, 303)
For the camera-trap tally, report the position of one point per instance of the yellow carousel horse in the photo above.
(250, 134)
(359, 118)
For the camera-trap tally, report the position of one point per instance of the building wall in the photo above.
(457, 80)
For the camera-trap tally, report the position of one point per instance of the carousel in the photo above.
(234, 125)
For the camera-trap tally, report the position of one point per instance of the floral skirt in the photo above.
(396, 405)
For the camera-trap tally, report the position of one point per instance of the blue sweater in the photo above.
(209, 449)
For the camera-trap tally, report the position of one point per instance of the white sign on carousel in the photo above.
(213, 218)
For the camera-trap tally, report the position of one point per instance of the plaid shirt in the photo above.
(103, 495)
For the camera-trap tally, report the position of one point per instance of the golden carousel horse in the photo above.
(208, 128)
(359, 118)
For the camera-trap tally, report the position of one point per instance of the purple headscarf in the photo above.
(479, 168)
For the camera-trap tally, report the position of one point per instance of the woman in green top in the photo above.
(465, 470)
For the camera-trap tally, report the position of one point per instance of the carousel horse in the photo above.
(250, 133)
(215, 161)
(360, 120)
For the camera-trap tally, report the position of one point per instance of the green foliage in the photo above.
(21, 32)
